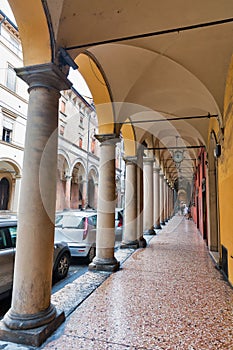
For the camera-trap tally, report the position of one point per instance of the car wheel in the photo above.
(62, 267)
(91, 254)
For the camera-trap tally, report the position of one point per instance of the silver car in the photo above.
(78, 230)
(8, 234)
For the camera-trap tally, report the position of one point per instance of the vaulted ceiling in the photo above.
(165, 59)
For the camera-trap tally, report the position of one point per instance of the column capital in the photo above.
(148, 160)
(156, 168)
(107, 139)
(161, 174)
(46, 75)
(130, 160)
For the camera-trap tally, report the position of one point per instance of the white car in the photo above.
(78, 230)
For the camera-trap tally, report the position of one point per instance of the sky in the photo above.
(75, 77)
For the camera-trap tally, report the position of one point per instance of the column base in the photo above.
(142, 242)
(130, 245)
(104, 264)
(150, 231)
(157, 227)
(27, 321)
(34, 337)
(163, 223)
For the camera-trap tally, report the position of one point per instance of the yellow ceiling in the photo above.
(180, 73)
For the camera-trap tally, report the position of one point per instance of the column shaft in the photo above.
(130, 226)
(68, 189)
(148, 187)
(16, 194)
(140, 204)
(165, 200)
(105, 235)
(156, 199)
(161, 199)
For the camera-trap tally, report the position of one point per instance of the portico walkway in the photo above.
(166, 296)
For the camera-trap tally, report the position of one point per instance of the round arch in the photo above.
(100, 90)
(10, 177)
(78, 191)
(34, 31)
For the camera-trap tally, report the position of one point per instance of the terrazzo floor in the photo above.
(166, 296)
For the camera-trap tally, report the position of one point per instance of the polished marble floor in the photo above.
(167, 296)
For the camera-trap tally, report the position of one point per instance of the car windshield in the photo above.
(58, 220)
(77, 222)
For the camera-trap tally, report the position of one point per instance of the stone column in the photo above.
(172, 202)
(161, 191)
(68, 188)
(95, 194)
(165, 199)
(31, 306)
(148, 224)
(16, 193)
(140, 204)
(169, 202)
(105, 235)
(84, 199)
(74, 192)
(157, 225)
(130, 225)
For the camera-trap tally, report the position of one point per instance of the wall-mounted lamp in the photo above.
(217, 151)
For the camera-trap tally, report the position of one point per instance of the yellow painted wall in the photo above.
(225, 172)
(33, 31)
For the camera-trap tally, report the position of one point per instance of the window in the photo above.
(11, 78)
(62, 130)
(6, 135)
(13, 233)
(3, 240)
(81, 120)
(15, 44)
(80, 142)
(63, 107)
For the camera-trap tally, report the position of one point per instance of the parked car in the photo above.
(78, 230)
(8, 234)
(119, 220)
